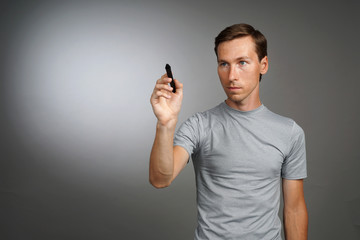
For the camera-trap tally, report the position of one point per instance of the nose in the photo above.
(233, 75)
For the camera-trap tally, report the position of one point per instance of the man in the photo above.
(240, 149)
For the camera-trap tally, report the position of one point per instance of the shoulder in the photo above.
(201, 123)
(284, 128)
(281, 122)
(207, 116)
(278, 119)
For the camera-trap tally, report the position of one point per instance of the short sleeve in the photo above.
(188, 134)
(294, 165)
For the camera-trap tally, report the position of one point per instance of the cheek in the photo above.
(251, 74)
(222, 75)
(221, 71)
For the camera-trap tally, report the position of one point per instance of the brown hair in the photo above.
(243, 30)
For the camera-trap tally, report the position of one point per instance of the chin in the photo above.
(236, 98)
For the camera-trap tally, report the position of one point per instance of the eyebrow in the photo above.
(237, 59)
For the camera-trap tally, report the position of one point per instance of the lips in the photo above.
(234, 88)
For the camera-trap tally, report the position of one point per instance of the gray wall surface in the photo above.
(77, 126)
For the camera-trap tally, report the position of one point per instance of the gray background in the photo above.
(77, 126)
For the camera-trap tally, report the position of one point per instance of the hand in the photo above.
(166, 104)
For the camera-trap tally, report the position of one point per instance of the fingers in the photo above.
(162, 88)
(162, 91)
(163, 84)
(159, 94)
(164, 79)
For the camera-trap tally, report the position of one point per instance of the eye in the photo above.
(223, 64)
(243, 63)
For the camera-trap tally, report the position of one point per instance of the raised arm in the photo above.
(166, 161)
(295, 213)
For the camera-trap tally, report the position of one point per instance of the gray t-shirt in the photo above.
(239, 160)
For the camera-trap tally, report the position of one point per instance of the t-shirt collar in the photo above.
(256, 110)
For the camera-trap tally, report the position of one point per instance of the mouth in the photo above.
(233, 88)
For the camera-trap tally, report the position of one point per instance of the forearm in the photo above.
(162, 157)
(296, 223)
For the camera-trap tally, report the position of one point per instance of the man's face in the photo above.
(239, 70)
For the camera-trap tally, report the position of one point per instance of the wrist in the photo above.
(167, 125)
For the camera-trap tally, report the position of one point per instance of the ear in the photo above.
(264, 65)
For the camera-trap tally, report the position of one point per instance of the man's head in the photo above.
(242, 58)
(243, 30)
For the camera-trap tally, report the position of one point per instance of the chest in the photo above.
(240, 152)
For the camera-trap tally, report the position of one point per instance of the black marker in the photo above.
(169, 74)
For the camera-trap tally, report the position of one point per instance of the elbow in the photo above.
(159, 184)
(159, 179)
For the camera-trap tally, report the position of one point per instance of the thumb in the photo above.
(178, 86)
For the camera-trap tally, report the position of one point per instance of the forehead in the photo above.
(244, 46)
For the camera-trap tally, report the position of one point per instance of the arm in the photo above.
(295, 213)
(166, 161)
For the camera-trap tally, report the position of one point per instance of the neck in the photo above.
(244, 106)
